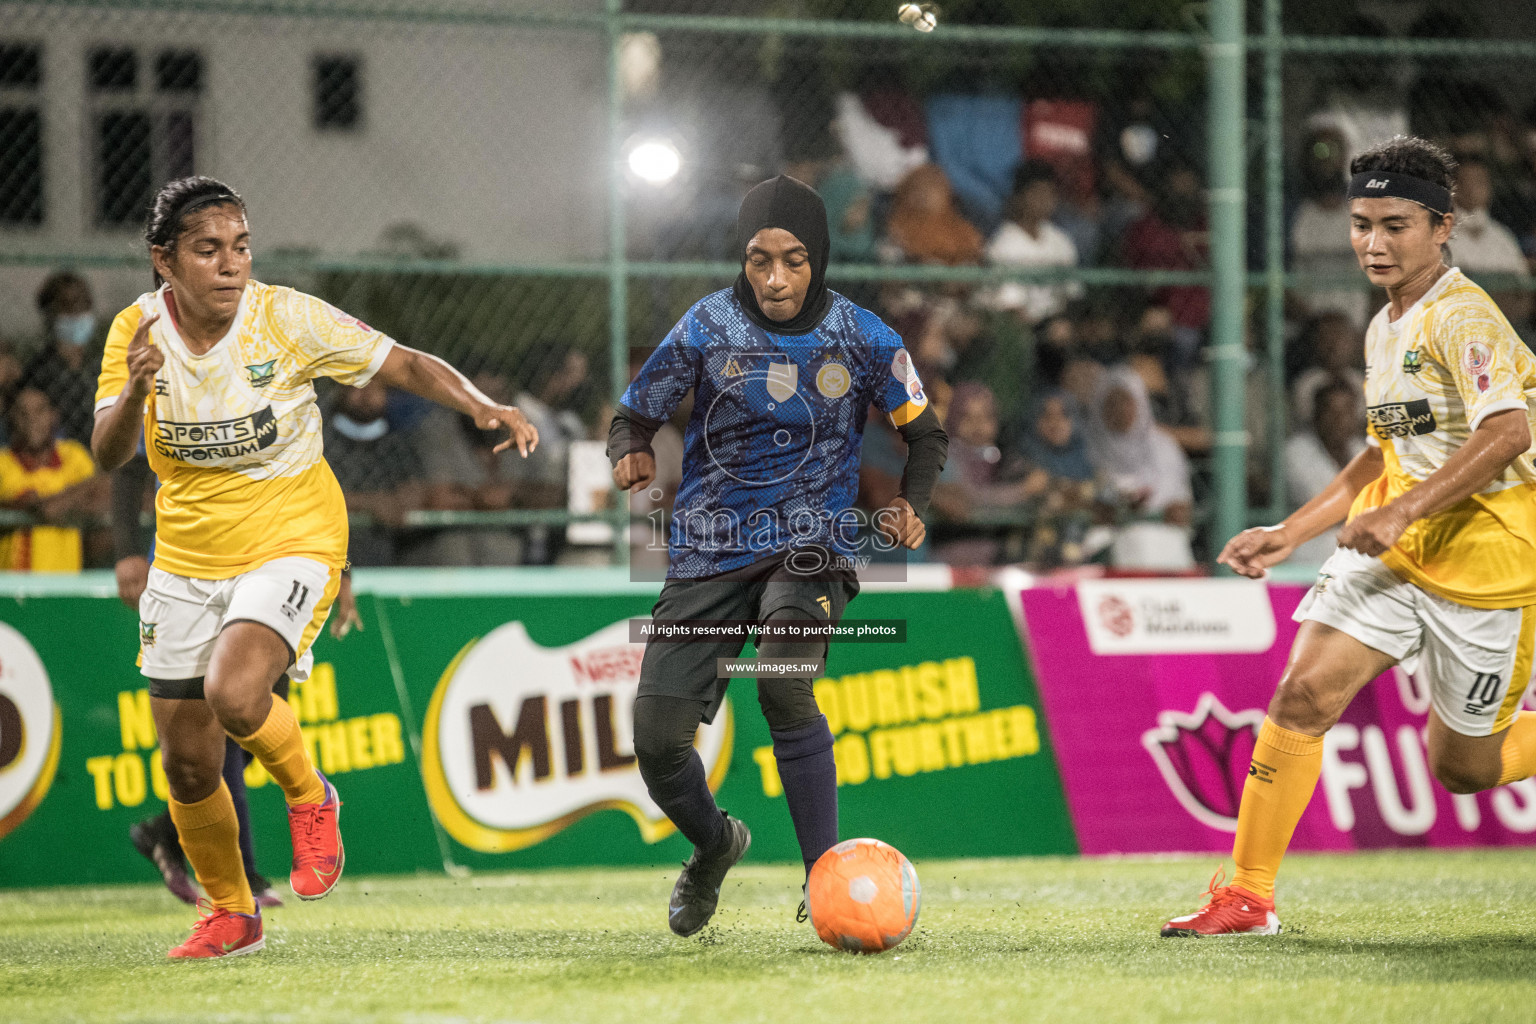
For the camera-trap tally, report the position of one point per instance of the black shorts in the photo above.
(192, 689)
(688, 669)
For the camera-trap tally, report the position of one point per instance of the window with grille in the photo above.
(21, 134)
(337, 92)
(144, 126)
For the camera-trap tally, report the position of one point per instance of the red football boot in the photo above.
(221, 932)
(318, 855)
(1231, 911)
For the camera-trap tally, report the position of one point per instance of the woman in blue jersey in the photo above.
(764, 529)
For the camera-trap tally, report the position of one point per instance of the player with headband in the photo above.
(1434, 567)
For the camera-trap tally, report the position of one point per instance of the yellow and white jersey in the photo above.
(234, 433)
(1431, 378)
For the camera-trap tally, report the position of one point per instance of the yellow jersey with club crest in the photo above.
(234, 434)
(1431, 378)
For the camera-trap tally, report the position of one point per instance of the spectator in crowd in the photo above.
(1172, 236)
(1139, 460)
(53, 480)
(463, 474)
(977, 461)
(10, 380)
(1055, 457)
(1481, 245)
(559, 372)
(65, 368)
(925, 226)
(1146, 474)
(1515, 197)
(379, 470)
(974, 478)
(1173, 407)
(1054, 443)
(1028, 238)
(1337, 352)
(1130, 148)
(1319, 234)
(850, 215)
(542, 480)
(1314, 456)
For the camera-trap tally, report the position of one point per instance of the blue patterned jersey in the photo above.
(771, 452)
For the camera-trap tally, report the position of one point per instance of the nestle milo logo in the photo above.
(511, 759)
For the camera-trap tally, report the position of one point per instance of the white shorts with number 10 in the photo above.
(1476, 661)
(180, 617)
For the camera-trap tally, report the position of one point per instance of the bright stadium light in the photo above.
(654, 161)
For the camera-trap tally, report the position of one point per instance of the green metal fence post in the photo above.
(618, 272)
(1274, 259)
(1225, 63)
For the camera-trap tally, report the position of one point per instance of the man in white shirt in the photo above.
(1027, 238)
(1481, 245)
(1319, 233)
(1314, 456)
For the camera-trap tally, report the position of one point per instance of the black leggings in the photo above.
(665, 726)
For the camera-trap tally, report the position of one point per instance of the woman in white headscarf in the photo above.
(1145, 465)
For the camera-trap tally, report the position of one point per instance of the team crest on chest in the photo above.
(832, 380)
(262, 374)
(1413, 362)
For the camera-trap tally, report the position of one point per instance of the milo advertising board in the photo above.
(494, 731)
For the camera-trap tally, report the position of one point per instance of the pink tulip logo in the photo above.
(1117, 616)
(1203, 757)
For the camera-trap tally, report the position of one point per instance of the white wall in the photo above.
(488, 137)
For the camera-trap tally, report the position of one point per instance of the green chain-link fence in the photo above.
(536, 191)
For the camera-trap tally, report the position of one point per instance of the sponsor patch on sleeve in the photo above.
(1477, 357)
(902, 368)
(347, 319)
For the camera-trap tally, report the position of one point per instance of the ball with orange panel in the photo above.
(863, 896)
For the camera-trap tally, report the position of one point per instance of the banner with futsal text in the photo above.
(495, 731)
(1154, 692)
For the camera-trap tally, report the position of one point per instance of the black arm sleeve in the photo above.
(630, 432)
(128, 483)
(927, 447)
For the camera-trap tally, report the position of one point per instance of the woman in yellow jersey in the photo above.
(1436, 564)
(250, 524)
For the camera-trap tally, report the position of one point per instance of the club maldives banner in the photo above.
(489, 731)
(1154, 692)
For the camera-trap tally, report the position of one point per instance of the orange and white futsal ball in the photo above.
(863, 896)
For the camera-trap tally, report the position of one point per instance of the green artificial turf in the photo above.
(1409, 936)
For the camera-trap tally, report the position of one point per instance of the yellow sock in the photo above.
(1280, 782)
(210, 837)
(1518, 753)
(279, 746)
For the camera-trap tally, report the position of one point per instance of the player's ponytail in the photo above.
(176, 201)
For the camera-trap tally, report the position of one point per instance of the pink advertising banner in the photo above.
(1154, 691)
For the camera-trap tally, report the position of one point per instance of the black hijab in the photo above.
(784, 202)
